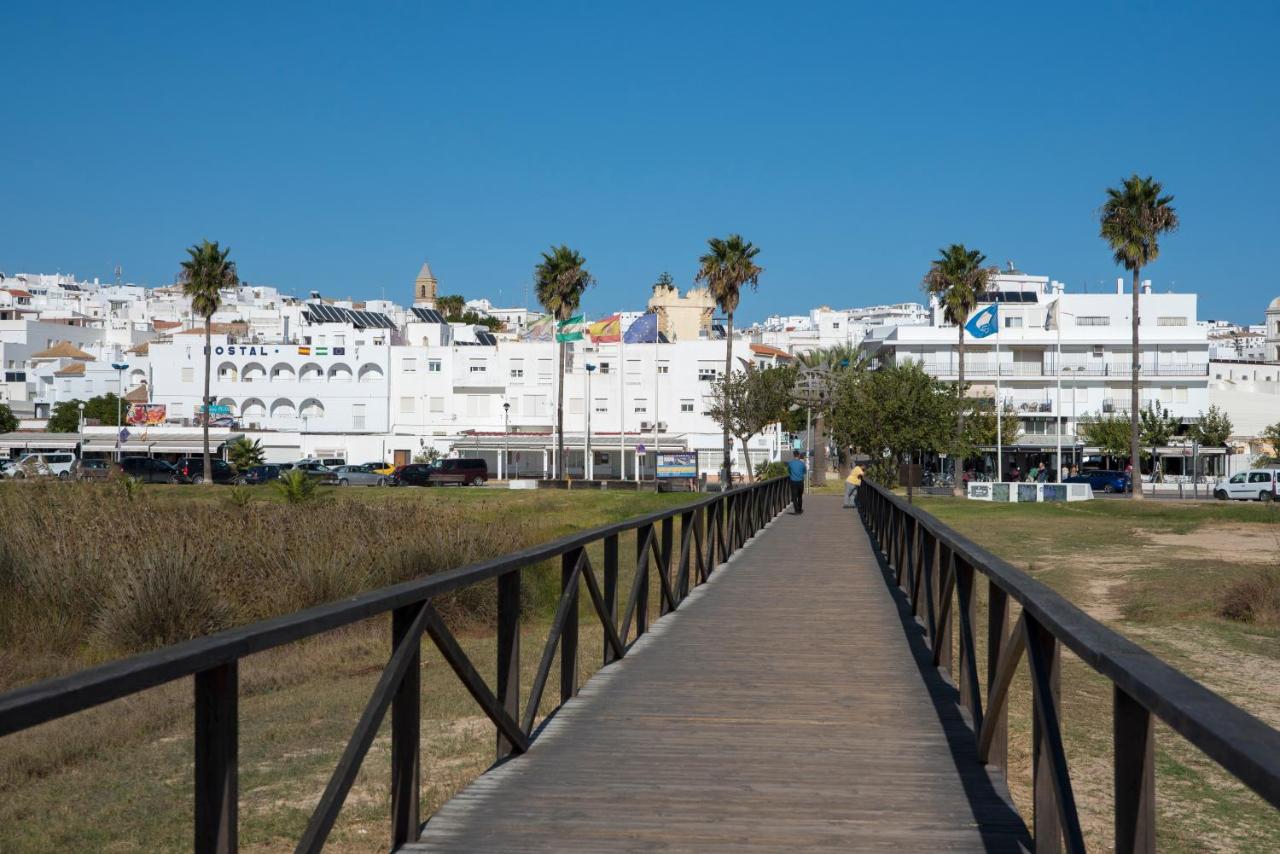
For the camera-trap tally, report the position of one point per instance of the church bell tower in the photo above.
(424, 288)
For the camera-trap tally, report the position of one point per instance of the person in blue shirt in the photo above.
(795, 474)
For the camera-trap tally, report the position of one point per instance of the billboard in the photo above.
(145, 414)
(678, 465)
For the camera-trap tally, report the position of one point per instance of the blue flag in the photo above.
(643, 331)
(984, 323)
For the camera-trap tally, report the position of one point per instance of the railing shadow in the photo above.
(999, 823)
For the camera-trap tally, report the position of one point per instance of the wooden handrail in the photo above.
(947, 564)
(213, 660)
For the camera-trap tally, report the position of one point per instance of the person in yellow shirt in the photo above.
(851, 484)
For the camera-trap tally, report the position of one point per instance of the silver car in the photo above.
(360, 476)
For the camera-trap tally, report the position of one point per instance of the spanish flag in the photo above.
(607, 331)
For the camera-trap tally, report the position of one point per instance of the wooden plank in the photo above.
(1135, 776)
(406, 730)
(508, 665)
(217, 747)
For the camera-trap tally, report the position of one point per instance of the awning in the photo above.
(38, 441)
(157, 443)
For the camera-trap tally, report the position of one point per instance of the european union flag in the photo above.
(643, 331)
(985, 322)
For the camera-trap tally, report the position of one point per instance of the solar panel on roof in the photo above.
(428, 315)
(488, 339)
(324, 313)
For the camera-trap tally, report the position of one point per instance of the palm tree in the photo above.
(203, 277)
(958, 279)
(559, 280)
(1132, 220)
(834, 359)
(726, 267)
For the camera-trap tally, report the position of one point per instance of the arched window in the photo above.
(283, 372)
(253, 373)
(227, 372)
(137, 376)
(311, 373)
(229, 404)
(370, 373)
(283, 408)
(253, 408)
(311, 408)
(340, 373)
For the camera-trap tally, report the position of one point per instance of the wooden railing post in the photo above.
(1135, 776)
(687, 556)
(569, 632)
(406, 723)
(610, 589)
(997, 640)
(967, 602)
(1047, 825)
(642, 567)
(664, 565)
(217, 750)
(508, 693)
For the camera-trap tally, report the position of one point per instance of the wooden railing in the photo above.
(711, 530)
(939, 571)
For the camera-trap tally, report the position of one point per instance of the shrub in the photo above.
(768, 471)
(239, 496)
(295, 486)
(162, 599)
(1255, 599)
(131, 488)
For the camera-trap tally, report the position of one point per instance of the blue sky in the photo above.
(335, 148)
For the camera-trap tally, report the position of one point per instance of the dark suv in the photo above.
(191, 470)
(149, 470)
(459, 471)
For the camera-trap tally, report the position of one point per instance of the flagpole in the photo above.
(999, 408)
(622, 406)
(1057, 403)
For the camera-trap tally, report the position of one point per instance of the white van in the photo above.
(51, 464)
(1252, 485)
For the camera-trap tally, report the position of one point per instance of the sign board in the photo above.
(123, 434)
(678, 465)
(215, 409)
(145, 414)
(640, 448)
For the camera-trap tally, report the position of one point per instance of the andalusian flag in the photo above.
(607, 331)
(571, 329)
(540, 329)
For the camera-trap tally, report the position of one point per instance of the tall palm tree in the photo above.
(958, 279)
(204, 274)
(1132, 220)
(725, 268)
(559, 281)
(833, 359)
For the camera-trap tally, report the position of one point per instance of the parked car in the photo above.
(90, 470)
(458, 471)
(1103, 481)
(316, 470)
(360, 476)
(191, 470)
(1253, 485)
(51, 464)
(150, 470)
(380, 468)
(261, 474)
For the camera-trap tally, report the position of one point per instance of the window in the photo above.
(188, 375)
(433, 366)
(357, 416)
(1093, 320)
(1180, 394)
(835, 324)
(544, 372)
(707, 371)
(640, 406)
(477, 405)
(406, 405)
(175, 410)
(339, 340)
(1171, 321)
(602, 404)
(662, 367)
(535, 405)
(408, 364)
(686, 405)
(1260, 477)
(1013, 323)
(477, 366)
(517, 370)
(633, 371)
(436, 405)
(604, 368)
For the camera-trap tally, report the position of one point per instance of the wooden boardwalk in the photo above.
(779, 709)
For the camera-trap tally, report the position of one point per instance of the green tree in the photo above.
(958, 279)
(665, 280)
(1213, 429)
(430, 456)
(559, 282)
(1270, 435)
(8, 421)
(746, 402)
(1107, 432)
(105, 409)
(1132, 220)
(726, 267)
(829, 361)
(245, 454)
(451, 306)
(204, 275)
(980, 425)
(65, 417)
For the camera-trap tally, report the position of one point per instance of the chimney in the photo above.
(1146, 286)
(1120, 285)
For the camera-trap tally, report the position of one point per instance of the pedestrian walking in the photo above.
(795, 474)
(851, 484)
(1042, 474)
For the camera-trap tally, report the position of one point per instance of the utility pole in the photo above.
(586, 435)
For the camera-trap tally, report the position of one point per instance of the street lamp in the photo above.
(120, 368)
(586, 446)
(506, 437)
(80, 406)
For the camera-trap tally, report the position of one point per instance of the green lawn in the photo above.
(1157, 572)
